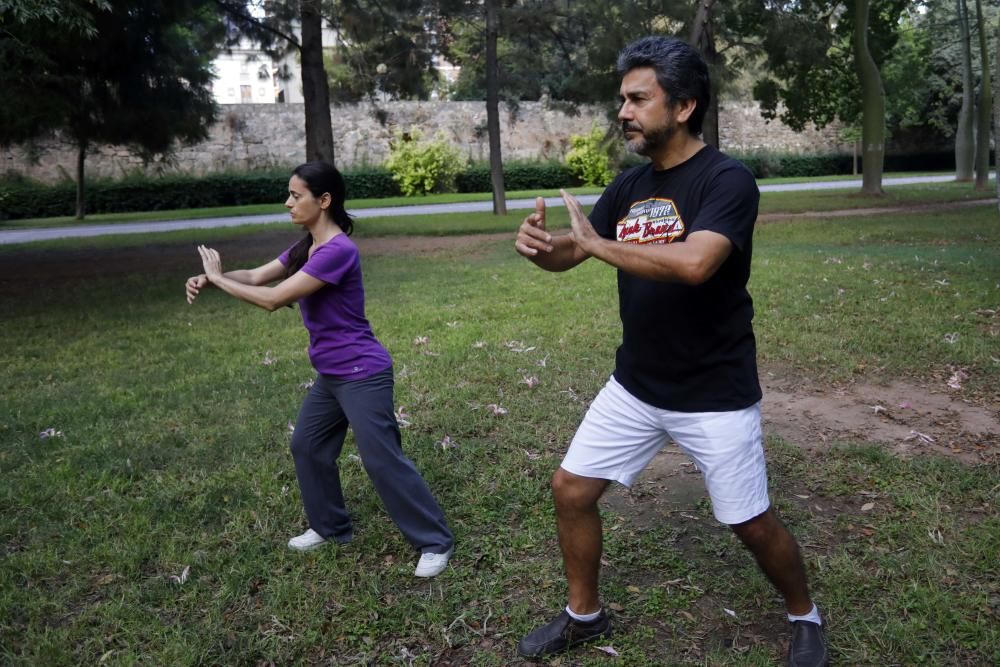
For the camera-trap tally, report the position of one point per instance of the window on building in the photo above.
(246, 94)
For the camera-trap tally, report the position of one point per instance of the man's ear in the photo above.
(684, 110)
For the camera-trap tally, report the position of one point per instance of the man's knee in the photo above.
(758, 529)
(573, 492)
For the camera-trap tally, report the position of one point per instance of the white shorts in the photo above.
(620, 435)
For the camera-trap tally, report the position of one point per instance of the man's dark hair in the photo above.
(679, 68)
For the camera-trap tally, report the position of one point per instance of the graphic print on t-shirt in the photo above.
(652, 220)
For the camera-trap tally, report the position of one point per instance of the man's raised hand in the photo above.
(531, 235)
(581, 231)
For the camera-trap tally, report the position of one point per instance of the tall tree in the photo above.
(315, 87)
(983, 108)
(702, 37)
(137, 75)
(873, 104)
(274, 28)
(823, 61)
(996, 106)
(964, 137)
(493, 107)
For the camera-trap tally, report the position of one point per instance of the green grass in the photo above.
(173, 455)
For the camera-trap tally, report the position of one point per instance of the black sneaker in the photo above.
(808, 646)
(562, 634)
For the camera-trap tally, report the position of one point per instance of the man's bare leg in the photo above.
(777, 554)
(580, 536)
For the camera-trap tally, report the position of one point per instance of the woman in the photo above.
(354, 382)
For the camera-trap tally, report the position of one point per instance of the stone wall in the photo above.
(254, 136)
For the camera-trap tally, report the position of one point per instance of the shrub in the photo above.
(370, 183)
(588, 160)
(421, 167)
(517, 176)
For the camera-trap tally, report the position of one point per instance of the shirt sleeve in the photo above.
(332, 261)
(283, 257)
(731, 201)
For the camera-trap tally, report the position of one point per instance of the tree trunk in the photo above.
(315, 86)
(996, 110)
(703, 38)
(873, 105)
(964, 141)
(984, 110)
(81, 155)
(493, 107)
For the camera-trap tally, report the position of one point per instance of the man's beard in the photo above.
(651, 141)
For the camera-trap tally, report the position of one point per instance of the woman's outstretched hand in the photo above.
(193, 286)
(212, 262)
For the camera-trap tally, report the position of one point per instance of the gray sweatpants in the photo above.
(367, 406)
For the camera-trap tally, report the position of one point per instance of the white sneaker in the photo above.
(431, 565)
(307, 541)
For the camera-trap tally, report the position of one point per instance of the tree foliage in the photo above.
(564, 50)
(136, 75)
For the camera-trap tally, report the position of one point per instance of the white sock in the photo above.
(583, 618)
(812, 617)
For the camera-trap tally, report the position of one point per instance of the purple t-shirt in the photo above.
(341, 342)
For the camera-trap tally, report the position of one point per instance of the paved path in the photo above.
(85, 230)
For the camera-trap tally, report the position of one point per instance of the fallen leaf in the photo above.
(868, 507)
(730, 612)
(608, 650)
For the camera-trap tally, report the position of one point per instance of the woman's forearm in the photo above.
(244, 276)
(263, 297)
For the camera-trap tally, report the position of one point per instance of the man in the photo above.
(679, 231)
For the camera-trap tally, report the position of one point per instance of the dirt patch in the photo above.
(907, 418)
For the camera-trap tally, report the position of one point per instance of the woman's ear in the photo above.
(325, 201)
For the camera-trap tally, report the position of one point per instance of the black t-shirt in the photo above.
(686, 348)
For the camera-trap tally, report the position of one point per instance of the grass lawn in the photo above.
(150, 527)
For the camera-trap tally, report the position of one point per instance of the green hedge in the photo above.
(22, 198)
(517, 176)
